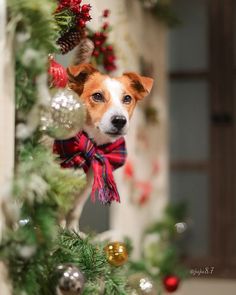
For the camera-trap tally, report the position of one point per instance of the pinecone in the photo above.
(83, 52)
(70, 40)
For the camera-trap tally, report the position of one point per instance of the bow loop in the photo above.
(81, 152)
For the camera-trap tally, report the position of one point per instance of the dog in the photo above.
(110, 103)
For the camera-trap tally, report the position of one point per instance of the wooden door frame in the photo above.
(222, 97)
(221, 167)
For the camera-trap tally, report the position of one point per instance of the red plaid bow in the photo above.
(81, 152)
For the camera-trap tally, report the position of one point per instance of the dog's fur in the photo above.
(110, 103)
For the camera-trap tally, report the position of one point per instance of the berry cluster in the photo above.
(82, 12)
(104, 52)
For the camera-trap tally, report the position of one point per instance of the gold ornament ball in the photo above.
(117, 254)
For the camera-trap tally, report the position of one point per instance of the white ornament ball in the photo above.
(65, 116)
(142, 284)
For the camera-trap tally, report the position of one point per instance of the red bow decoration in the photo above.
(81, 152)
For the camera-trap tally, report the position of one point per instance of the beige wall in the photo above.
(135, 34)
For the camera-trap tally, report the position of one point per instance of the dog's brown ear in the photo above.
(78, 75)
(140, 84)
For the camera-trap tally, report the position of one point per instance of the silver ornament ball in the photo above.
(65, 116)
(181, 227)
(71, 280)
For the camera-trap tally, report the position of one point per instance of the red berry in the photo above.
(103, 35)
(74, 2)
(109, 48)
(103, 49)
(86, 8)
(110, 67)
(110, 58)
(62, 5)
(96, 53)
(97, 43)
(86, 16)
(106, 13)
(82, 23)
(105, 26)
(76, 9)
(97, 35)
(65, 3)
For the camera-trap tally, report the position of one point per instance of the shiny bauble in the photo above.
(71, 280)
(116, 253)
(149, 4)
(65, 116)
(141, 284)
(181, 227)
(171, 283)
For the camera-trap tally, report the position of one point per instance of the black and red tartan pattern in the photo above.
(81, 152)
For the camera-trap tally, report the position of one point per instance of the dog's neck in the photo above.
(98, 137)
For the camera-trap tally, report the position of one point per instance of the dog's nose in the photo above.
(118, 121)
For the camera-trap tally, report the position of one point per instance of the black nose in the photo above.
(118, 121)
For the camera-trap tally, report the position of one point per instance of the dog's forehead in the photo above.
(115, 87)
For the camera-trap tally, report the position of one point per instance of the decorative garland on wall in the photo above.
(71, 18)
(162, 10)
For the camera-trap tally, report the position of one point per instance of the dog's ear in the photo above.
(78, 75)
(140, 84)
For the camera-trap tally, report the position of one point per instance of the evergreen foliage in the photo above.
(35, 245)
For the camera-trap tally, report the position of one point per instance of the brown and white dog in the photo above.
(110, 103)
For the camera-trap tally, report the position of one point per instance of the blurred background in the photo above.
(182, 139)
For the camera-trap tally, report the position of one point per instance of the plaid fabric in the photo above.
(81, 152)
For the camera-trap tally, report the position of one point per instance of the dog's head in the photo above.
(110, 102)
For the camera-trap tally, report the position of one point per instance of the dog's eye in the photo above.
(98, 97)
(127, 99)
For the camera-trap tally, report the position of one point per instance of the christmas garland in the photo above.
(71, 18)
(162, 10)
(42, 258)
(39, 256)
